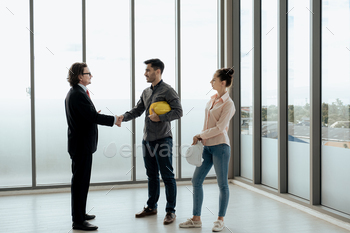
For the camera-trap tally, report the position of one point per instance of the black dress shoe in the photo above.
(89, 217)
(85, 226)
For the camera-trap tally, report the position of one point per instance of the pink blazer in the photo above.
(218, 113)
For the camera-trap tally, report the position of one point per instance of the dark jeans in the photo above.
(157, 156)
(81, 169)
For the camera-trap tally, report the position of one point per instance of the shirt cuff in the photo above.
(162, 118)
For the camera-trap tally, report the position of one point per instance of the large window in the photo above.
(336, 104)
(15, 121)
(335, 99)
(59, 41)
(247, 89)
(299, 98)
(198, 65)
(108, 57)
(269, 108)
(58, 44)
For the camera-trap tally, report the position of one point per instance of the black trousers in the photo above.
(81, 170)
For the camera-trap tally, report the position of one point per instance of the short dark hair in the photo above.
(156, 64)
(226, 74)
(74, 71)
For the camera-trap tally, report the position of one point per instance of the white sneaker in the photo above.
(191, 224)
(218, 226)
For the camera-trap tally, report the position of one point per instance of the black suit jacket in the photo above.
(82, 119)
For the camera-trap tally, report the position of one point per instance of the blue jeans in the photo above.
(158, 156)
(219, 155)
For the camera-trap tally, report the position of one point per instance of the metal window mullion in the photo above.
(228, 62)
(132, 85)
(315, 100)
(283, 97)
(84, 29)
(257, 94)
(178, 80)
(32, 92)
(221, 33)
(236, 62)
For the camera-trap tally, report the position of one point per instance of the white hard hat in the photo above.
(194, 154)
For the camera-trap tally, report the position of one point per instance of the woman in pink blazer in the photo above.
(218, 113)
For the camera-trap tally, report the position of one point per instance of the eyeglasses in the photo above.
(88, 74)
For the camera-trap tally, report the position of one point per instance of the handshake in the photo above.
(156, 109)
(153, 117)
(119, 120)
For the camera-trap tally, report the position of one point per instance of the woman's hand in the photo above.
(196, 139)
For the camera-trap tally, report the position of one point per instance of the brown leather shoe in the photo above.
(169, 218)
(146, 212)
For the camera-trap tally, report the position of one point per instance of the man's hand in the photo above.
(196, 139)
(154, 117)
(119, 120)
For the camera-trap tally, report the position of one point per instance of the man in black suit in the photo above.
(82, 119)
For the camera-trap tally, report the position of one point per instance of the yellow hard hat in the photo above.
(160, 107)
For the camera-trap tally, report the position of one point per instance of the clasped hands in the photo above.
(153, 117)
